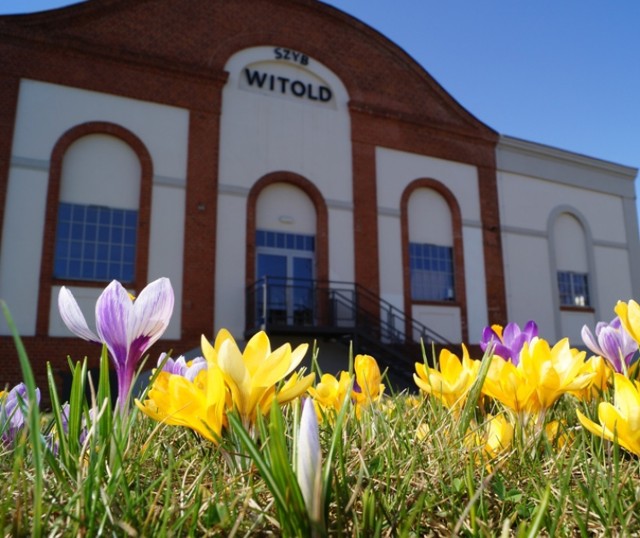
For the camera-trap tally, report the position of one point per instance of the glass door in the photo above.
(284, 266)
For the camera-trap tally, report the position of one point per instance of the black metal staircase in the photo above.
(342, 310)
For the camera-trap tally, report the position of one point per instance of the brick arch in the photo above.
(322, 221)
(51, 215)
(458, 254)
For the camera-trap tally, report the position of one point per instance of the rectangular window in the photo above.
(95, 243)
(431, 272)
(573, 288)
(284, 240)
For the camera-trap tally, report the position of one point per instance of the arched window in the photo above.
(572, 263)
(286, 250)
(97, 220)
(431, 252)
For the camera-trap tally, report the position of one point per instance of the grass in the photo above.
(385, 474)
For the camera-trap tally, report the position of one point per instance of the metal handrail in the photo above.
(351, 297)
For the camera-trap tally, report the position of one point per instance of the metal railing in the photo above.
(274, 303)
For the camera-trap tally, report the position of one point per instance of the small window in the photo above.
(95, 243)
(431, 272)
(573, 288)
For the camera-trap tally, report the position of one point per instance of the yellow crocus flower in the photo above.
(543, 374)
(494, 436)
(198, 404)
(368, 387)
(331, 392)
(621, 421)
(451, 383)
(629, 314)
(554, 370)
(252, 375)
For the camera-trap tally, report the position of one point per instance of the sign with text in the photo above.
(287, 74)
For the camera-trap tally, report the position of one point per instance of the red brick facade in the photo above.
(173, 52)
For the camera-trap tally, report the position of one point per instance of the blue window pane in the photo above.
(103, 252)
(101, 272)
(64, 211)
(92, 214)
(88, 269)
(89, 252)
(90, 233)
(127, 272)
(114, 270)
(116, 253)
(117, 217)
(116, 235)
(104, 216)
(77, 212)
(260, 240)
(271, 239)
(62, 249)
(63, 230)
(130, 236)
(75, 269)
(128, 254)
(431, 269)
(280, 242)
(60, 268)
(77, 231)
(75, 251)
(131, 219)
(291, 240)
(104, 233)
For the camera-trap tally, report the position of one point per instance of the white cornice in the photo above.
(549, 152)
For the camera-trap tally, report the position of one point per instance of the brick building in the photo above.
(288, 168)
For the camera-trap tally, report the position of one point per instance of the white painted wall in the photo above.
(528, 281)
(526, 203)
(44, 113)
(283, 207)
(395, 171)
(264, 131)
(102, 170)
(21, 247)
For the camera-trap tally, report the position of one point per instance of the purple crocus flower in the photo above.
(13, 407)
(509, 342)
(189, 370)
(127, 327)
(613, 343)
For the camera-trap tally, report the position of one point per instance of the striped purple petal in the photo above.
(113, 310)
(72, 316)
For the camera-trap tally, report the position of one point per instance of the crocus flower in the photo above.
(508, 342)
(331, 391)
(309, 462)
(13, 405)
(620, 421)
(451, 383)
(180, 366)
(494, 436)
(543, 374)
(252, 375)
(367, 388)
(629, 314)
(613, 343)
(198, 404)
(127, 327)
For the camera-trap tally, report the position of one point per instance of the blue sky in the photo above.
(563, 73)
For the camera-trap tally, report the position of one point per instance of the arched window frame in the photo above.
(322, 234)
(47, 280)
(591, 266)
(460, 299)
